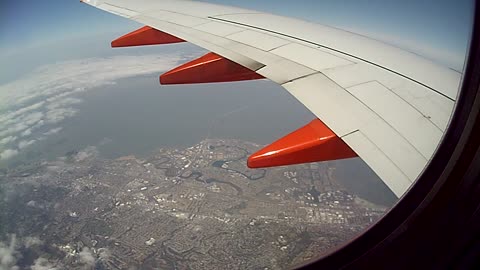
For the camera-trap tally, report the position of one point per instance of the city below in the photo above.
(193, 208)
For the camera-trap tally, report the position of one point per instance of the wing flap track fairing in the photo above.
(145, 36)
(209, 68)
(311, 143)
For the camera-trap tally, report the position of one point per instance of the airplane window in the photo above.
(270, 141)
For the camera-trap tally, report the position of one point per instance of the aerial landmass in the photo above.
(193, 208)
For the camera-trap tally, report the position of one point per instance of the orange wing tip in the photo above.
(209, 68)
(312, 143)
(145, 36)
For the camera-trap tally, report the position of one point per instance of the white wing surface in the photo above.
(387, 104)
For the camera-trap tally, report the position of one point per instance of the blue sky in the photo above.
(27, 23)
(436, 28)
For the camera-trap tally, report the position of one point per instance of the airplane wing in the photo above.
(386, 105)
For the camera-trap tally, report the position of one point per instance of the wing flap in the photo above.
(332, 104)
(208, 69)
(386, 169)
(177, 18)
(311, 57)
(408, 123)
(145, 36)
(251, 38)
(219, 29)
(284, 71)
(432, 106)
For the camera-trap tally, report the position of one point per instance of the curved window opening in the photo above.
(102, 168)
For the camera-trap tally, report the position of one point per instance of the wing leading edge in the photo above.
(355, 85)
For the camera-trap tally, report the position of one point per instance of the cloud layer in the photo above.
(33, 107)
(9, 252)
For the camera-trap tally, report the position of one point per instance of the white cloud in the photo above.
(8, 254)
(43, 264)
(32, 118)
(48, 96)
(23, 144)
(87, 153)
(8, 153)
(57, 115)
(8, 140)
(58, 102)
(13, 129)
(32, 203)
(31, 241)
(81, 75)
(38, 124)
(103, 253)
(20, 112)
(22, 124)
(86, 257)
(53, 131)
(26, 132)
(105, 141)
